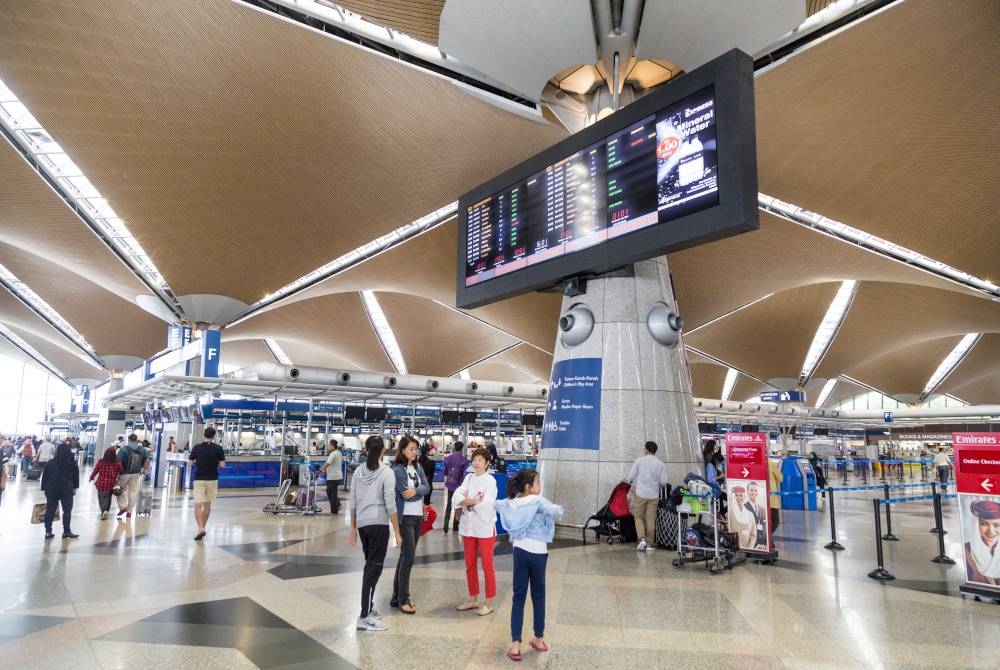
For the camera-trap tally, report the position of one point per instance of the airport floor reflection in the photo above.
(282, 592)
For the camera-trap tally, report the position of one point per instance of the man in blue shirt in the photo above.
(135, 463)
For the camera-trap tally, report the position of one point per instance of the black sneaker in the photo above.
(49, 536)
(70, 536)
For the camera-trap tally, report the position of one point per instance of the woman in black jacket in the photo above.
(60, 480)
(428, 465)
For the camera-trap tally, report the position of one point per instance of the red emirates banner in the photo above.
(748, 490)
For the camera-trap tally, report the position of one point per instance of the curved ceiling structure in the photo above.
(244, 151)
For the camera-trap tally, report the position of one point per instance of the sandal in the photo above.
(407, 608)
(539, 646)
(514, 657)
(471, 605)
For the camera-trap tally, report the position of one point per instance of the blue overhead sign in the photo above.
(573, 417)
(210, 353)
(783, 396)
(887, 417)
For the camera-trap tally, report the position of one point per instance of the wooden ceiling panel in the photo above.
(245, 353)
(522, 364)
(707, 379)
(747, 387)
(229, 140)
(716, 278)
(890, 127)
(111, 324)
(982, 391)
(842, 391)
(979, 371)
(425, 267)
(36, 221)
(67, 362)
(771, 338)
(14, 314)
(888, 317)
(332, 331)
(905, 371)
(435, 340)
(419, 19)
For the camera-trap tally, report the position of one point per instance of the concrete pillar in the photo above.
(645, 394)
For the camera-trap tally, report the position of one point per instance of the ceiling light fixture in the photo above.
(42, 152)
(874, 244)
(276, 351)
(384, 331)
(32, 353)
(828, 328)
(727, 387)
(826, 391)
(36, 304)
(950, 362)
(353, 257)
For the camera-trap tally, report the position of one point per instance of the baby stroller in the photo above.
(614, 520)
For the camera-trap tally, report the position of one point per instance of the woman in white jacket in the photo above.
(476, 498)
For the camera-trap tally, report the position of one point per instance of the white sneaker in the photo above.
(371, 623)
(641, 546)
(650, 548)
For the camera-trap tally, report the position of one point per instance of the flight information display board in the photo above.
(583, 205)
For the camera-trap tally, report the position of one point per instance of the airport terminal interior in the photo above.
(692, 309)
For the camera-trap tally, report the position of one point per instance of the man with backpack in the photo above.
(455, 466)
(134, 458)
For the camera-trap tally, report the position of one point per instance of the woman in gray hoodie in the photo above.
(373, 505)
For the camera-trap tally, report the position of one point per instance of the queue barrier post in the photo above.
(942, 557)
(888, 518)
(879, 572)
(833, 545)
(938, 526)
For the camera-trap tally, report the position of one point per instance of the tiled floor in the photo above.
(282, 592)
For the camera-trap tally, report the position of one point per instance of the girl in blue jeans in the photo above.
(530, 520)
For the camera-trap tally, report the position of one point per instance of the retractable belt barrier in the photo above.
(942, 558)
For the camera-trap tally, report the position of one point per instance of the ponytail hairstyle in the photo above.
(373, 452)
(517, 484)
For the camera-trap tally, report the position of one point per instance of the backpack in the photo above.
(133, 461)
(27, 451)
(455, 473)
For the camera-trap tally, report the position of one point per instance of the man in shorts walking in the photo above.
(207, 457)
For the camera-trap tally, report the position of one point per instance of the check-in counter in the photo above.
(240, 471)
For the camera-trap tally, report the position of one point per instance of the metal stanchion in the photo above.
(888, 518)
(937, 524)
(942, 557)
(880, 572)
(833, 545)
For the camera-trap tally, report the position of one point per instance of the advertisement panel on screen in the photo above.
(977, 480)
(748, 492)
(672, 170)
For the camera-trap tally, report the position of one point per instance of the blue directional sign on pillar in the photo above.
(211, 351)
(573, 417)
(85, 403)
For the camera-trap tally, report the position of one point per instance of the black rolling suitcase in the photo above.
(665, 534)
(33, 473)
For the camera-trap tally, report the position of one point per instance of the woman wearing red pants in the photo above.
(476, 497)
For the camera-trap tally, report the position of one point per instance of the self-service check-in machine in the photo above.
(797, 475)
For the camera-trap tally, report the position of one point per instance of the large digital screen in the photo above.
(674, 169)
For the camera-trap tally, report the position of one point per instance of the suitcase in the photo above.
(665, 534)
(144, 507)
(34, 473)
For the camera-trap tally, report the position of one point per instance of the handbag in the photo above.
(38, 512)
(430, 516)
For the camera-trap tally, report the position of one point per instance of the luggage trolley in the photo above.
(717, 558)
(297, 499)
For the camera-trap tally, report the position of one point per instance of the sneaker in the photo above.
(650, 547)
(104, 516)
(371, 623)
(641, 546)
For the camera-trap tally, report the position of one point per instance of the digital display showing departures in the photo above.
(659, 169)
